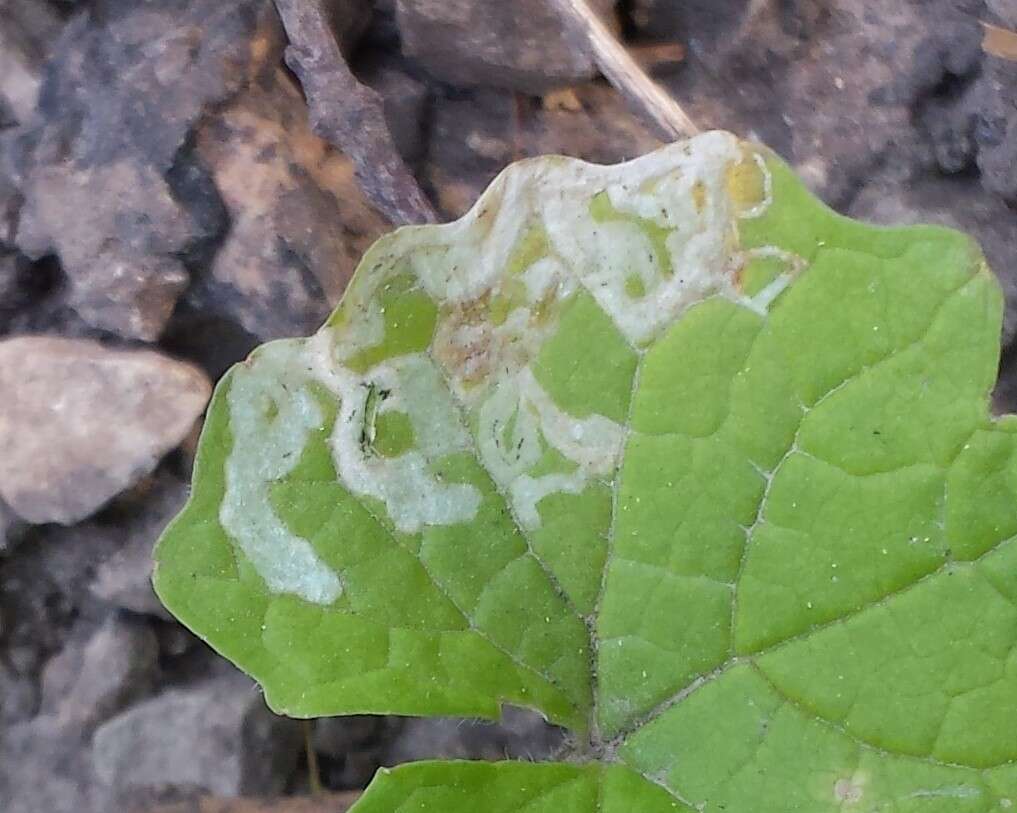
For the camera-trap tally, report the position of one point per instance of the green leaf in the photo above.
(669, 452)
(506, 787)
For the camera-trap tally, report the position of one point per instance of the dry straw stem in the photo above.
(648, 98)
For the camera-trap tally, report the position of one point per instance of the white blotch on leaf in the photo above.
(412, 494)
(515, 422)
(272, 413)
(500, 276)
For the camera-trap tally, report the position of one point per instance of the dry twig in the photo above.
(648, 98)
(349, 114)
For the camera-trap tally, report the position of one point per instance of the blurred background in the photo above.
(165, 207)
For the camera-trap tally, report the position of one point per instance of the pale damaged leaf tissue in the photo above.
(667, 451)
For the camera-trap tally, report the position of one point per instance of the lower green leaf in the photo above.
(514, 787)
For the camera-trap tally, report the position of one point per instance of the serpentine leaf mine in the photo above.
(666, 450)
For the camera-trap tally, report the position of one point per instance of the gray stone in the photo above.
(33, 299)
(133, 79)
(7, 521)
(349, 19)
(520, 45)
(45, 767)
(995, 129)
(116, 229)
(27, 28)
(405, 101)
(841, 100)
(798, 76)
(217, 737)
(958, 202)
(44, 592)
(48, 614)
(10, 206)
(1002, 12)
(950, 96)
(96, 677)
(11, 529)
(19, 696)
(702, 25)
(299, 223)
(876, 69)
(605, 131)
(125, 578)
(158, 160)
(475, 134)
(82, 423)
(353, 747)
(335, 737)
(520, 734)
(867, 95)
(8, 277)
(127, 85)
